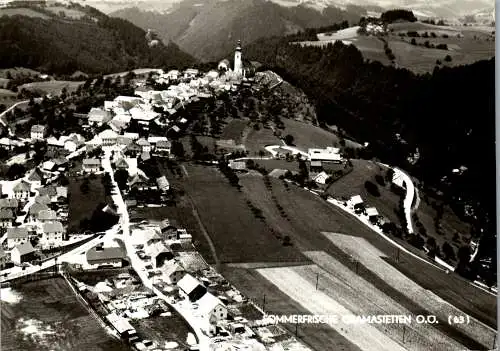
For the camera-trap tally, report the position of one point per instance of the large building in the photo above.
(329, 154)
(238, 63)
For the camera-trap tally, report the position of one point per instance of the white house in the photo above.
(144, 144)
(91, 165)
(191, 287)
(38, 132)
(328, 154)
(190, 73)
(98, 117)
(108, 137)
(211, 308)
(22, 190)
(47, 216)
(22, 253)
(53, 233)
(159, 253)
(355, 200)
(173, 74)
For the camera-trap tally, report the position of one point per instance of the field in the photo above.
(68, 13)
(234, 130)
(354, 184)
(269, 165)
(164, 329)
(465, 45)
(257, 139)
(49, 317)
(52, 86)
(23, 12)
(8, 98)
(82, 205)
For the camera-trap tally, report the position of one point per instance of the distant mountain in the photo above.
(66, 39)
(209, 29)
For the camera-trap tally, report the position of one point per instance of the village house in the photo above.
(43, 199)
(321, 178)
(191, 287)
(163, 184)
(11, 204)
(133, 150)
(159, 253)
(108, 137)
(211, 308)
(91, 165)
(174, 272)
(173, 74)
(47, 216)
(49, 190)
(372, 214)
(163, 148)
(38, 132)
(121, 163)
(4, 259)
(98, 117)
(73, 142)
(184, 238)
(16, 236)
(190, 73)
(55, 145)
(22, 190)
(144, 144)
(149, 236)
(53, 233)
(101, 256)
(22, 253)
(34, 211)
(35, 177)
(10, 144)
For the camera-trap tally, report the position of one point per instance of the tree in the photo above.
(121, 178)
(372, 188)
(85, 186)
(413, 41)
(380, 180)
(177, 149)
(287, 241)
(448, 252)
(288, 139)
(250, 164)
(16, 171)
(447, 58)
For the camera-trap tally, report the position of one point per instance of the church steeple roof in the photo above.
(238, 46)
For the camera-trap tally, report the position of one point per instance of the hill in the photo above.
(62, 42)
(210, 29)
(426, 124)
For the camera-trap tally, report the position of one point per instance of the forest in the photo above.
(102, 45)
(427, 124)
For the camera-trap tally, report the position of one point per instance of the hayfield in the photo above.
(269, 165)
(257, 139)
(234, 130)
(22, 12)
(52, 86)
(256, 287)
(237, 234)
(49, 317)
(353, 183)
(162, 329)
(82, 205)
(474, 334)
(68, 13)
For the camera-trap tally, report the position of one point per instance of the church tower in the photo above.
(238, 64)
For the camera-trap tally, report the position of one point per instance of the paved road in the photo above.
(2, 119)
(138, 264)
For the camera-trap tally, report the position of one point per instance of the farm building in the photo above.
(101, 256)
(22, 190)
(328, 154)
(6, 217)
(163, 183)
(22, 253)
(237, 165)
(372, 214)
(191, 287)
(355, 201)
(98, 117)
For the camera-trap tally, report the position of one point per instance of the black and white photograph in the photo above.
(248, 175)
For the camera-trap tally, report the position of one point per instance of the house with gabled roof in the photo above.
(16, 236)
(43, 199)
(49, 190)
(47, 216)
(22, 190)
(34, 210)
(211, 308)
(191, 287)
(174, 272)
(35, 177)
(11, 204)
(144, 144)
(6, 217)
(163, 148)
(104, 256)
(163, 183)
(121, 163)
(98, 117)
(22, 253)
(133, 150)
(108, 137)
(53, 232)
(91, 165)
(38, 132)
(159, 253)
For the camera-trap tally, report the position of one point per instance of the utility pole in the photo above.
(317, 280)
(397, 255)
(264, 304)
(296, 328)
(404, 331)
(494, 341)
